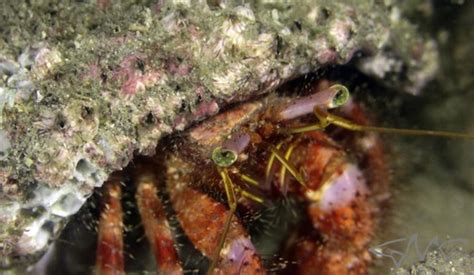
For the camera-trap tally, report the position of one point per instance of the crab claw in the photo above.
(339, 209)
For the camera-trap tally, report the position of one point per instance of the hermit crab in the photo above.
(239, 162)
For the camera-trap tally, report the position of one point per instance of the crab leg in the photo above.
(109, 259)
(154, 221)
(205, 220)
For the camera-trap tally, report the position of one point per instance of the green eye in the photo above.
(223, 158)
(340, 97)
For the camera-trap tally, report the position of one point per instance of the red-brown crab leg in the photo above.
(155, 223)
(203, 219)
(109, 258)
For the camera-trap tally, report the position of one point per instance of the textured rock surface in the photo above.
(86, 86)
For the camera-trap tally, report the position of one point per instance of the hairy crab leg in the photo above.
(155, 223)
(205, 220)
(109, 258)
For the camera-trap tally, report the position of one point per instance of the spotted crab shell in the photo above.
(74, 112)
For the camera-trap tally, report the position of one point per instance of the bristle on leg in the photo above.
(109, 258)
(156, 226)
(203, 220)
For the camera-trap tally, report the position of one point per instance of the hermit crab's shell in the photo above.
(74, 111)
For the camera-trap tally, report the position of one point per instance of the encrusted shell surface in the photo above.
(82, 99)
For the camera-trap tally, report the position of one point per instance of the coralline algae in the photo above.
(87, 86)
